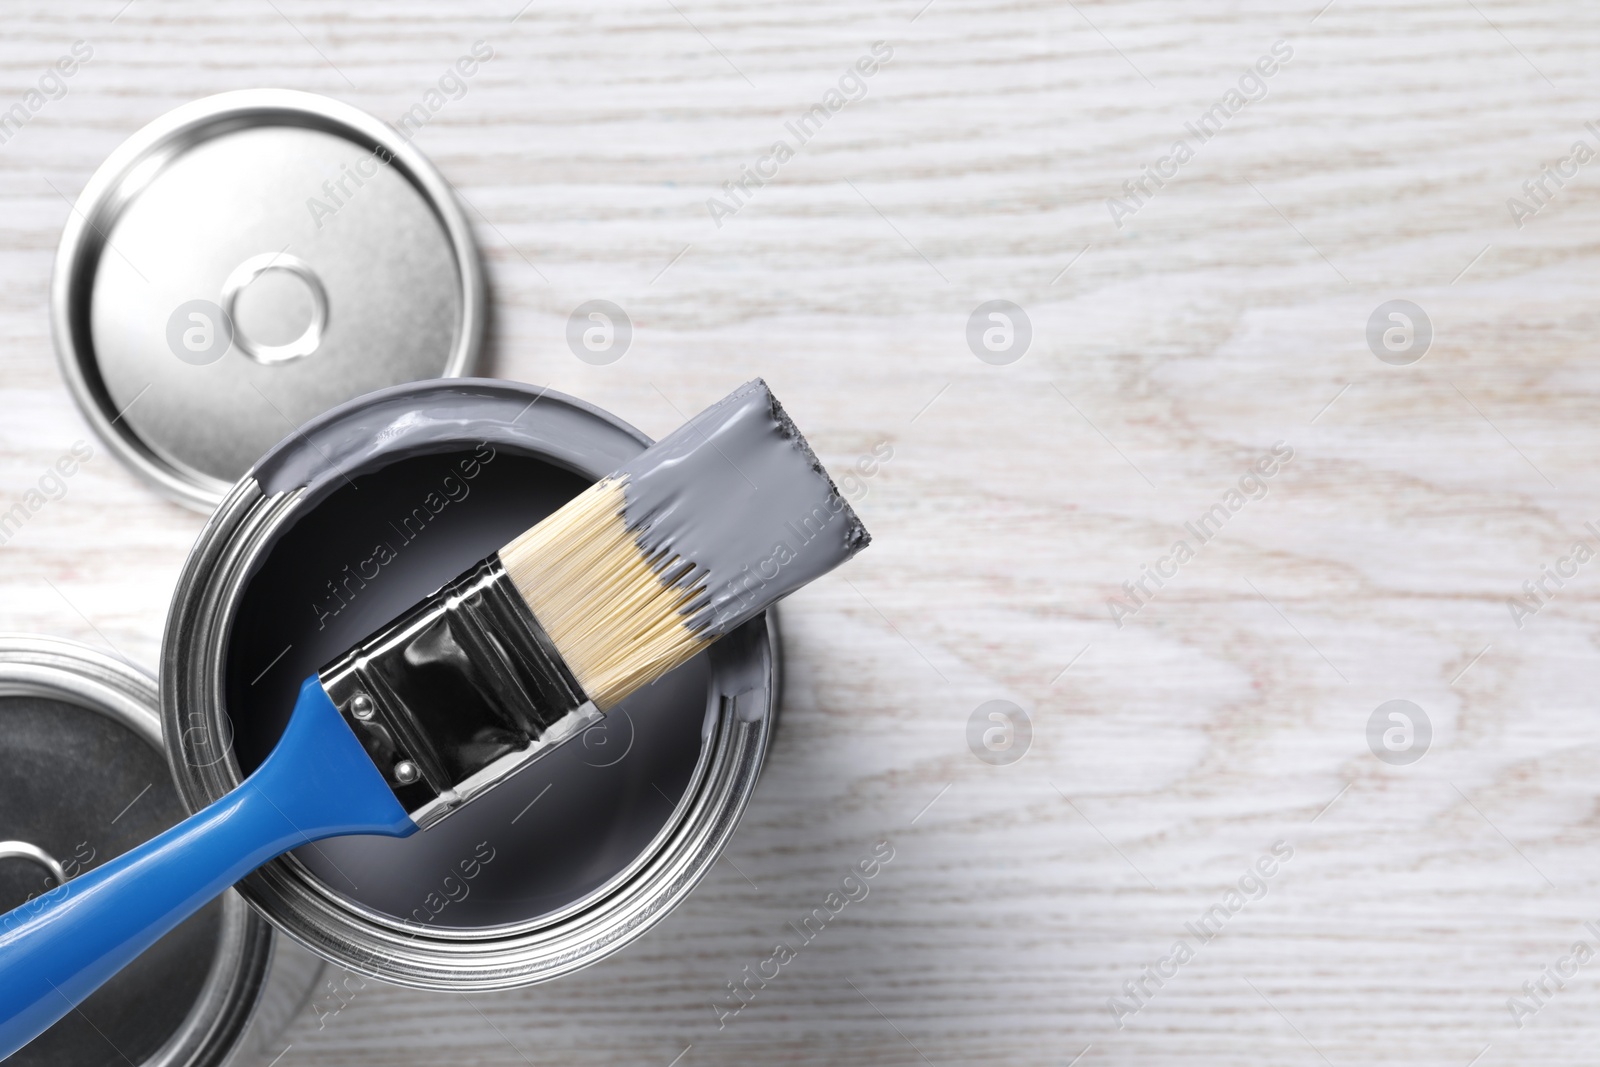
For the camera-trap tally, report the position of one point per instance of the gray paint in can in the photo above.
(550, 871)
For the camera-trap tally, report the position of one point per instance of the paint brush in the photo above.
(698, 534)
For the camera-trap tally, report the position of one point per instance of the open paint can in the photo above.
(364, 511)
(86, 779)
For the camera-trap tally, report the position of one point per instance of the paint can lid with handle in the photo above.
(242, 264)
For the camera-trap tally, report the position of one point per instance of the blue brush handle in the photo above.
(58, 948)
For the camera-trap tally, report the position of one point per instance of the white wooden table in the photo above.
(1227, 313)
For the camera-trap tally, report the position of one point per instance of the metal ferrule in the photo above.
(458, 694)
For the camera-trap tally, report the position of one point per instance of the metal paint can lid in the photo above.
(84, 779)
(246, 262)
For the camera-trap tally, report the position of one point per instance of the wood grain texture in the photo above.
(1227, 314)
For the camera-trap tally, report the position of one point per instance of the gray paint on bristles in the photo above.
(738, 495)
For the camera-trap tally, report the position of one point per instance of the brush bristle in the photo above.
(619, 620)
(693, 537)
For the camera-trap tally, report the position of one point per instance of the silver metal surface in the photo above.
(224, 1025)
(474, 648)
(564, 729)
(309, 339)
(328, 251)
(27, 850)
(741, 713)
